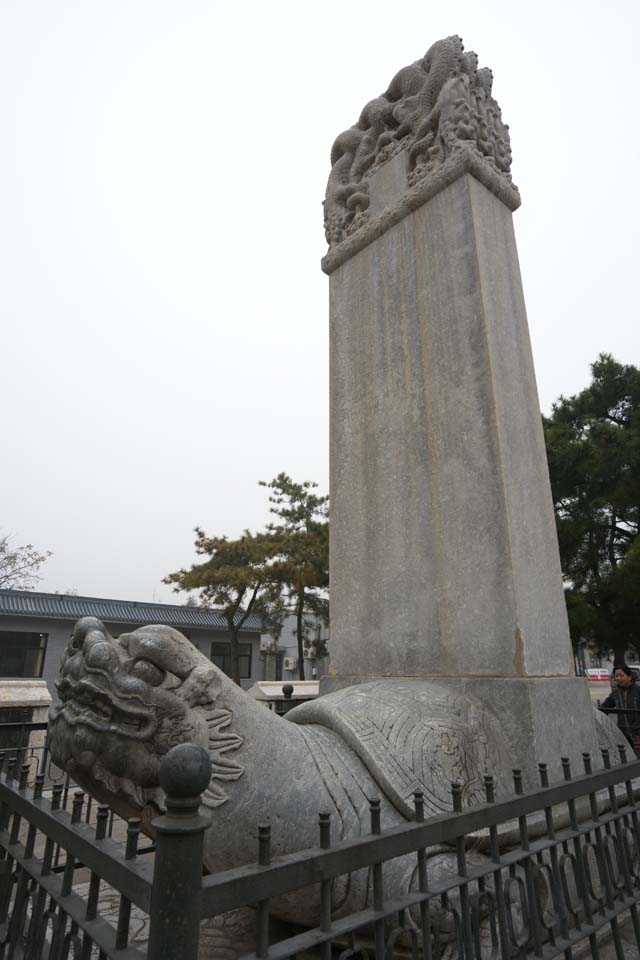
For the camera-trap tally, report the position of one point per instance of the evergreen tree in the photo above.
(236, 576)
(593, 448)
(301, 546)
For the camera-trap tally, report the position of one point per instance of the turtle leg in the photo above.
(233, 934)
(228, 936)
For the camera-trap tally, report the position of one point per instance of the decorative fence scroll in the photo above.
(531, 876)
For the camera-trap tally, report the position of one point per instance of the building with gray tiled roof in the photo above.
(35, 628)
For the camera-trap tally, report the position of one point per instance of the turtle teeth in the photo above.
(102, 710)
(81, 698)
(131, 723)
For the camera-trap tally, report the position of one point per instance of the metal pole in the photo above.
(177, 877)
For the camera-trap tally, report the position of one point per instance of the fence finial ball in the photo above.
(185, 771)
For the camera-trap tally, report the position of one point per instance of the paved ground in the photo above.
(607, 948)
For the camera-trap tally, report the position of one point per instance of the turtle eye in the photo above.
(147, 671)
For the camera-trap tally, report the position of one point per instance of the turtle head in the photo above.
(126, 701)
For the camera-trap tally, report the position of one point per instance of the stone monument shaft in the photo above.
(444, 557)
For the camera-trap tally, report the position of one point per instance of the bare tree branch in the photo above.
(20, 566)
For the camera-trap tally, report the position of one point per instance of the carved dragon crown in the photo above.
(436, 120)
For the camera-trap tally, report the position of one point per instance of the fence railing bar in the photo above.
(508, 833)
(103, 857)
(620, 710)
(27, 725)
(467, 937)
(340, 928)
(631, 824)
(457, 882)
(514, 856)
(523, 829)
(363, 919)
(560, 906)
(324, 823)
(175, 911)
(101, 932)
(124, 912)
(561, 898)
(151, 848)
(496, 858)
(243, 885)
(620, 853)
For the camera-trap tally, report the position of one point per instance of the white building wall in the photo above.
(287, 647)
(59, 631)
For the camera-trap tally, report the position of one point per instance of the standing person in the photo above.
(625, 696)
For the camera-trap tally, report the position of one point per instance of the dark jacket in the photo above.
(628, 699)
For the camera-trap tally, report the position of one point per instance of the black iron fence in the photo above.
(28, 755)
(15, 734)
(534, 875)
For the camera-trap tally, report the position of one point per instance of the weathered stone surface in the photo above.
(464, 728)
(444, 558)
(26, 693)
(126, 702)
(439, 117)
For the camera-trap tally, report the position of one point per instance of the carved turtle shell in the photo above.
(414, 735)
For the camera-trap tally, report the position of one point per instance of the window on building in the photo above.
(22, 654)
(221, 656)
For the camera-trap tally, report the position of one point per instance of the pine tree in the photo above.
(236, 576)
(301, 549)
(593, 448)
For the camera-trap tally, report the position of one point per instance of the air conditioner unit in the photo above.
(290, 663)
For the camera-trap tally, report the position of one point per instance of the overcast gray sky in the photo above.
(163, 313)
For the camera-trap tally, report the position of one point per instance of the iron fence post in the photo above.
(325, 887)
(177, 878)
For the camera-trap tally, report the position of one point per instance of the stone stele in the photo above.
(444, 556)
(449, 634)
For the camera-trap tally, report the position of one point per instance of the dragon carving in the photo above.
(432, 109)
